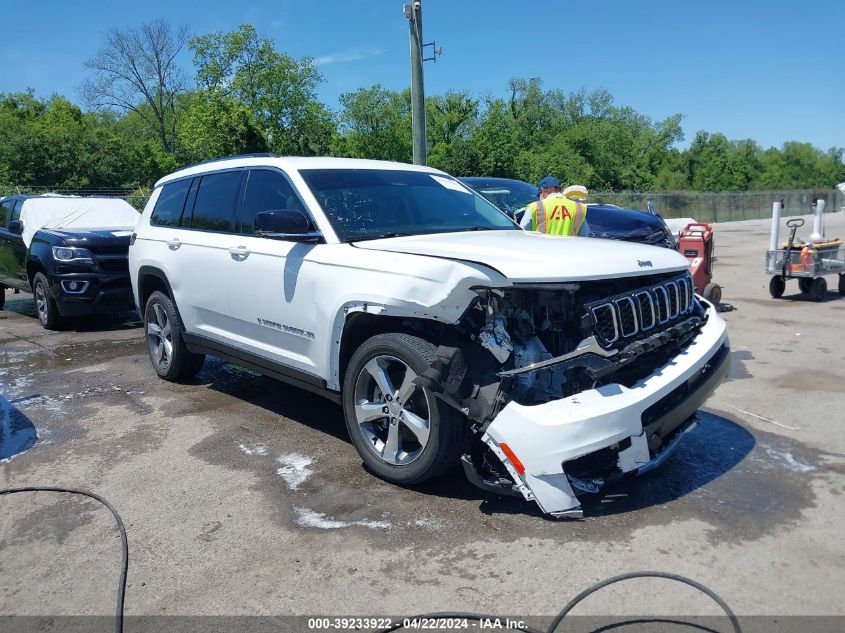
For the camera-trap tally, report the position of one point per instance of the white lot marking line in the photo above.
(294, 469)
(306, 517)
(759, 417)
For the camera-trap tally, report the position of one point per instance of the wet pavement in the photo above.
(244, 495)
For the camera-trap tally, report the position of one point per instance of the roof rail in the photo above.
(222, 158)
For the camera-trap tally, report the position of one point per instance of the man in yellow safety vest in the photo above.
(554, 213)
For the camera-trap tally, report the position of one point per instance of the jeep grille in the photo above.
(624, 317)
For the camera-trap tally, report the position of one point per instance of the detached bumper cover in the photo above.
(643, 423)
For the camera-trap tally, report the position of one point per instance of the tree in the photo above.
(493, 141)
(138, 66)
(376, 123)
(277, 90)
(214, 125)
(450, 120)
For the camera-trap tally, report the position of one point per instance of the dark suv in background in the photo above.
(71, 269)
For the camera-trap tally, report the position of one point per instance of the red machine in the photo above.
(696, 244)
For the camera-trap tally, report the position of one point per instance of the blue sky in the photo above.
(771, 71)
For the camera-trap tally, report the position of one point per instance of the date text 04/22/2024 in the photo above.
(422, 623)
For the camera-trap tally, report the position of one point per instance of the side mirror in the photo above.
(16, 227)
(285, 224)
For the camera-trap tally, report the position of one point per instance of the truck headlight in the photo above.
(67, 254)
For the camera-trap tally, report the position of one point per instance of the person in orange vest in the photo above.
(554, 213)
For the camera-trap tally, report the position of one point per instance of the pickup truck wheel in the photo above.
(401, 431)
(45, 305)
(170, 356)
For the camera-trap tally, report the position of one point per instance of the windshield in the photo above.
(372, 203)
(508, 196)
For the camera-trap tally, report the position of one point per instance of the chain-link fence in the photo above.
(704, 207)
(136, 197)
(724, 206)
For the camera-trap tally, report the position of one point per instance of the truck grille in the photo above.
(627, 316)
(113, 263)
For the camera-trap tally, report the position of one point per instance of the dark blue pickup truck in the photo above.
(71, 253)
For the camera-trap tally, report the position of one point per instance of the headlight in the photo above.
(66, 254)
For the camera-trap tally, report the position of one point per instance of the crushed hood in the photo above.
(524, 256)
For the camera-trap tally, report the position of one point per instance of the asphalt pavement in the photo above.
(244, 496)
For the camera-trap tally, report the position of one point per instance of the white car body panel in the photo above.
(288, 302)
(530, 257)
(546, 435)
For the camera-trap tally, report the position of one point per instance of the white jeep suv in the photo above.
(548, 366)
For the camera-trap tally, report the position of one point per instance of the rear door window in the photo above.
(170, 202)
(267, 190)
(216, 205)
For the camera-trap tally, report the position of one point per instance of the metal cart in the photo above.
(809, 263)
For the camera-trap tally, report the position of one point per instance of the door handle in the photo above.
(240, 251)
(174, 244)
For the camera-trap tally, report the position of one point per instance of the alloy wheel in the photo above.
(393, 413)
(159, 336)
(41, 302)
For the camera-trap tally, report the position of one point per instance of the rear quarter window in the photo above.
(171, 201)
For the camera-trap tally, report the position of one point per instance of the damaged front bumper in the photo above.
(578, 443)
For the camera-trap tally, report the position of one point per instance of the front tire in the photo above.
(163, 330)
(45, 305)
(402, 432)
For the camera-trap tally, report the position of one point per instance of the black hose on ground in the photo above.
(124, 543)
(553, 627)
(477, 617)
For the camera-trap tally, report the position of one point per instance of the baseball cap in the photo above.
(548, 182)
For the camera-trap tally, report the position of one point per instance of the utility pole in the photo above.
(413, 13)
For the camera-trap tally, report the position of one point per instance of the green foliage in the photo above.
(277, 91)
(375, 123)
(216, 125)
(250, 97)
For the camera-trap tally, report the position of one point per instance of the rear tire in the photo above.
(819, 289)
(805, 283)
(166, 347)
(407, 436)
(776, 287)
(45, 305)
(713, 293)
